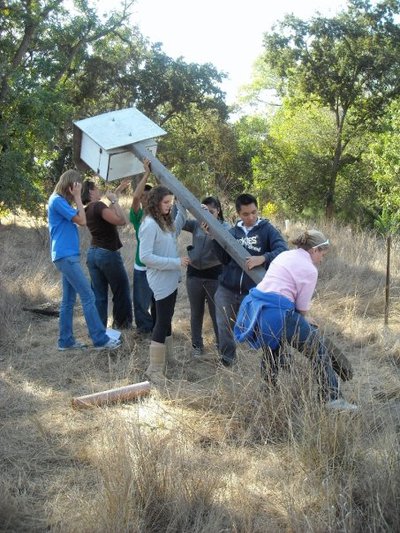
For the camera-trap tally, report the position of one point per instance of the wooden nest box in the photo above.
(104, 143)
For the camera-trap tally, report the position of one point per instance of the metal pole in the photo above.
(192, 204)
(387, 284)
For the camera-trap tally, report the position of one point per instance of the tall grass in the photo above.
(213, 450)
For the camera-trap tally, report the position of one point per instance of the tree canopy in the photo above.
(349, 64)
(317, 134)
(60, 63)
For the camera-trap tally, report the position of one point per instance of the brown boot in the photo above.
(156, 368)
(169, 346)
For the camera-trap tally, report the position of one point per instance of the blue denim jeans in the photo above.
(143, 300)
(75, 282)
(106, 269)
(306, 338)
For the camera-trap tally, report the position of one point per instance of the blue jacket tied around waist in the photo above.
(261, 318)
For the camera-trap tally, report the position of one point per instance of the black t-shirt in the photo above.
(104, 234)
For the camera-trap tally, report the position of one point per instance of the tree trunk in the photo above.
(330, 206)
(330, 196)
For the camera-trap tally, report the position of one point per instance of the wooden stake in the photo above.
(121, 394)
(387, 282)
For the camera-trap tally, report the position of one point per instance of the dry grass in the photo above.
(209, 452)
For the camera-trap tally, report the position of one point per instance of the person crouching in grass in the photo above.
(275, 311)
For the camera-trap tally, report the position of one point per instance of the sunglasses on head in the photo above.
(326, 243)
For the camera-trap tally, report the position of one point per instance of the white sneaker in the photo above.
(112, 344)
(341, 405)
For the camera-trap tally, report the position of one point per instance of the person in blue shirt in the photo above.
(63, 219)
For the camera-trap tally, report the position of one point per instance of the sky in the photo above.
(226, 33)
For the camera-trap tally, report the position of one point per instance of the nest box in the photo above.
(103, 143)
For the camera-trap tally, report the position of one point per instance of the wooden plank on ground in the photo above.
(120, 394)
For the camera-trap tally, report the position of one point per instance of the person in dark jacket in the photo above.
(263, 242)
(202, 274)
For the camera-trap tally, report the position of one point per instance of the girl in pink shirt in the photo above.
(294, 275)
(274, 311)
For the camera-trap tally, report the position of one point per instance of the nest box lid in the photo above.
(119, 128)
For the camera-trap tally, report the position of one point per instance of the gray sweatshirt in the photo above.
(159, 252)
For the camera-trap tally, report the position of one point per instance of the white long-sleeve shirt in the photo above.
(159, 252)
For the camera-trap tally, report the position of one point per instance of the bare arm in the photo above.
(114, 214)
(122, 186)
(80, 217)
(137, 195)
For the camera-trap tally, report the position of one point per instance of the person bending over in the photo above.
(275, 311)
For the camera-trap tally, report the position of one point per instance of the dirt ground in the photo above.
(47, 446)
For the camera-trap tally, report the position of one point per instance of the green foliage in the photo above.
(349, 64)
(61, 63)
(269, 210)
(294, 159)
(252, 132)
(388, 222)
(258, 97)
(200, 149)
(355, 193)
(383, 157)
(171, 86)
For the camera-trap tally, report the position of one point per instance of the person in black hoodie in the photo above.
(263, 242)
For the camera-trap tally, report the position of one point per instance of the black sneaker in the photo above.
(197, 351)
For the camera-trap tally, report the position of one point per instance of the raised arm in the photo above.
(122, 186)
(180, 217)
(114, 214)
(80, 217)
(139, 190)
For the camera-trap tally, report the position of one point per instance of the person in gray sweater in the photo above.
(159, 252)
(202, 274)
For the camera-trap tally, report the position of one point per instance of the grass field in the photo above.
(208, 452)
